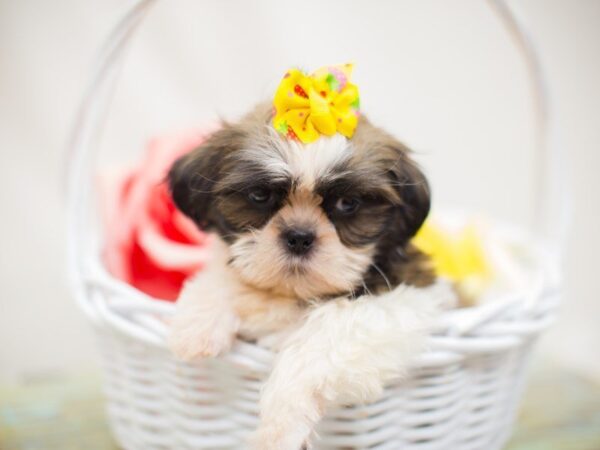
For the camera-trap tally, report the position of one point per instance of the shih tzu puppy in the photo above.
(312, 257)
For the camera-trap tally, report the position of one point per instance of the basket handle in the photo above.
(84, 141)
(550, 197)
(552, 184)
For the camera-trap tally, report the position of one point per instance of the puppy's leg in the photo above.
(205, 322)
(345, 352)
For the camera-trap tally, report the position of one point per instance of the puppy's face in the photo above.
(303, 220)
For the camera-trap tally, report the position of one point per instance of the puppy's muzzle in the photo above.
(298, 241)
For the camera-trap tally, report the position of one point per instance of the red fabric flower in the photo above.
(149, 243)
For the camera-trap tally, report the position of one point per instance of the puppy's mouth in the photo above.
(298, 265)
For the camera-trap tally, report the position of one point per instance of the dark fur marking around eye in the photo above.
(233, 198)
(210, 184)
(365, 225)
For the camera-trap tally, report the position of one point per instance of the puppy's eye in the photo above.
(347, 205)
(260, 195)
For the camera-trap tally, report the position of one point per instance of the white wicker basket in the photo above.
(462, 394)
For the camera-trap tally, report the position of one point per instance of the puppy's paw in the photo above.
(274, 437)
(192, 345)
(190, 339)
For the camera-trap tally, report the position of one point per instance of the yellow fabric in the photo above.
(460, 257)
(324, 103)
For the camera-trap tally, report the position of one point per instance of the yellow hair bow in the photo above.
(325, 102)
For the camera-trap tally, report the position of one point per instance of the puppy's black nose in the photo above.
(298, 242)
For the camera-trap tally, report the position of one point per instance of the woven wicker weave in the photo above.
(461, 395)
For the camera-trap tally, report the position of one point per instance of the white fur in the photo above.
(344, 352)
(309, 163)
(305, 163)
(205, 323)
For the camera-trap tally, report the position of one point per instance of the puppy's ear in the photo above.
(193, 177)
(408, 189)
(413, 193)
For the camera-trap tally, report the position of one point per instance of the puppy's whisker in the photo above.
(230, 190)
(228, 235)
(254, 232)
(204, 177)
(199, 191)
(367, 290)
(385, 278)
(352, 292)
